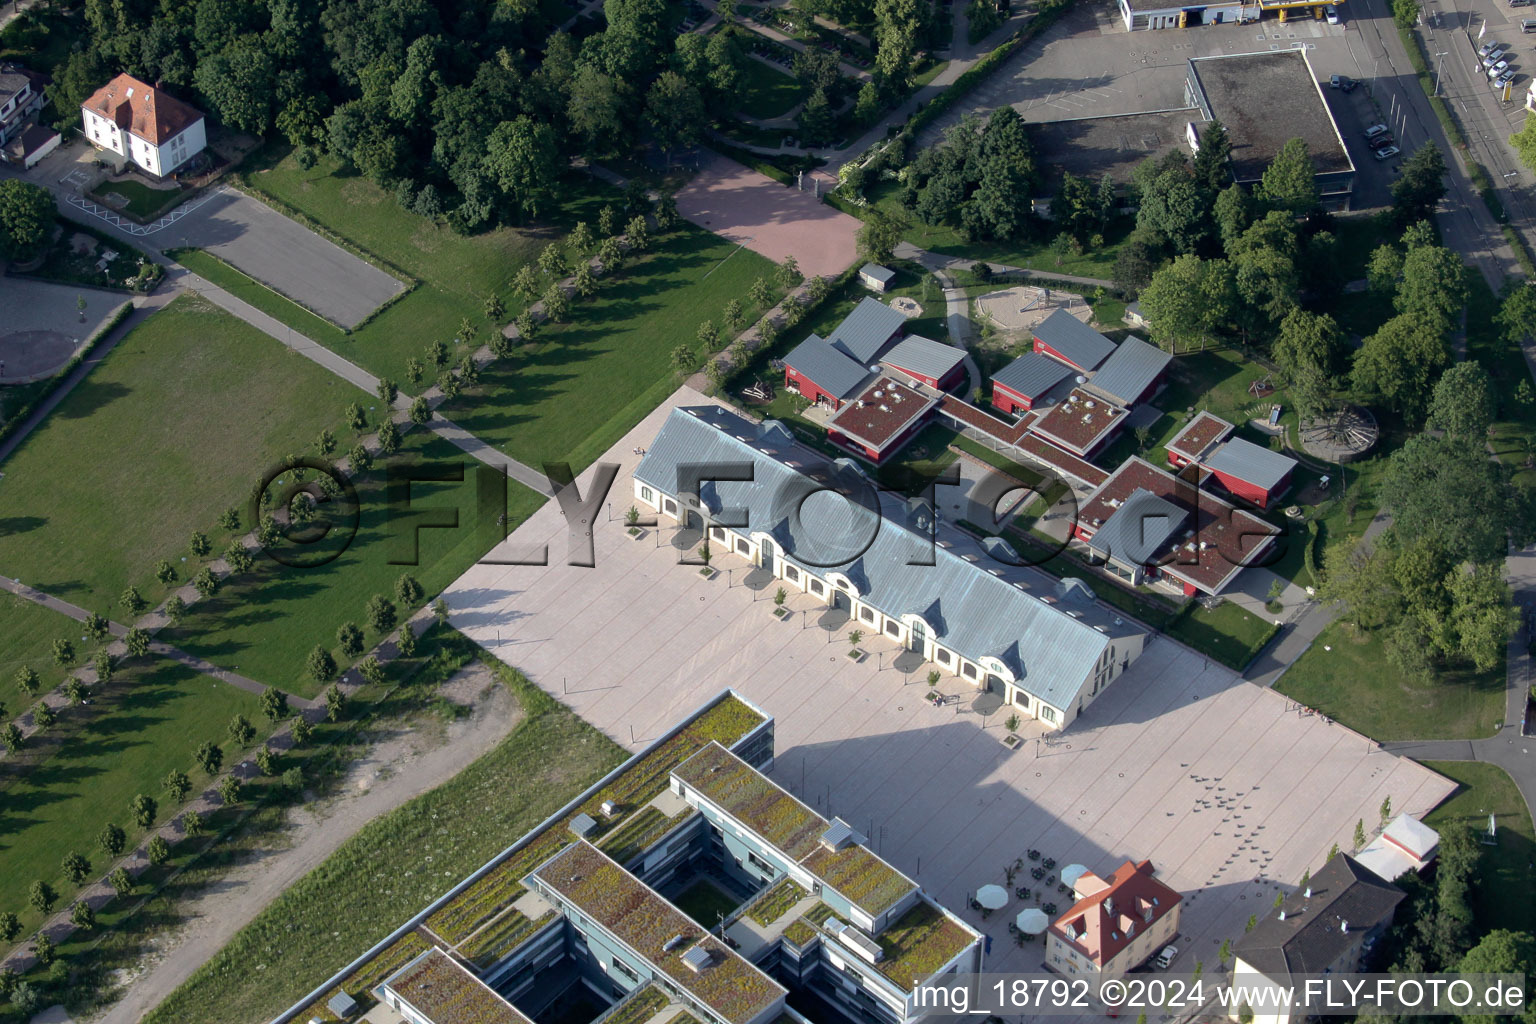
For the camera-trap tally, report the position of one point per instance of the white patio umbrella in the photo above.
(1032, 921)
(1071, 873)
(993, 897)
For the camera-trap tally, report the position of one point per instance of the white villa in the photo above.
(143, 125)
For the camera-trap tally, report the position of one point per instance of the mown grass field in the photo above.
(396, 865)
(264, 625)
(583, 384)
(1506, 866)
(1348, 679)
(248, 289)
(27, 632)
(80, 775)
(457, 272)
(1229, 633)
(764, 92)
(177, 424)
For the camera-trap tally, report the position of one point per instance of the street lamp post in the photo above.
(1439, 61)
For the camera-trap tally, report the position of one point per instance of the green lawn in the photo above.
(583, 384)
(248, 289)
(1514, 432)
(766, 92)
(375, 881)
(1229, 633)
(1506, 867)
(265, 625)
(706, 902)
(27, 633)
(457, 272)
(144, 203)
(176, 425)
(1349, 680)
(82, 774)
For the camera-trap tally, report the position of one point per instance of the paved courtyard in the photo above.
(43, 324)
(775, 221)
(1221, 783)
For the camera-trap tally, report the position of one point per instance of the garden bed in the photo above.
(77, 255)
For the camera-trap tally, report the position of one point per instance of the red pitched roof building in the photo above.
(143, 125)
(1118, 922)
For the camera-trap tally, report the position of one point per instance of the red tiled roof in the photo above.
(1198, 435)
(1224, 541)
(1110, 919)
(143, 110)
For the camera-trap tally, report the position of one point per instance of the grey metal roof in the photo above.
(922, 356)
(1126, 373)
(837, 833)
(1247, 461)
(698, 957)
(1032, 374)
(342, 1005)
(1311, 935)
(866, 330)
(1050, 651)
(583, 825)
(830, 368)
(12, 84)
(1138, 528)
(1075, 340)
(876, 271)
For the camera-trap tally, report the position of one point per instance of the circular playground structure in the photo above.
(30, 355)
(1342, 436)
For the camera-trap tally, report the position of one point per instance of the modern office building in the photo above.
(823, 529)
(582, 908)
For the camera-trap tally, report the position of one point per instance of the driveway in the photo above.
(1227, 787)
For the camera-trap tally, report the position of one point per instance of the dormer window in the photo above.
(1147, 915)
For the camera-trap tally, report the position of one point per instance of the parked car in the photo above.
(1493, 56)
(1333, 16)
(1498, 69)
(1388, 153)
(1381, 142)
(1506, 78)
(1486, 49)
(1165, 959)
(1342, 82)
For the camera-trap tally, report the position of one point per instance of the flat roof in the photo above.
(1213, 547)
(1080, 422)
(1240, 91)
(1032, 375)
(658, 932)
(882, 412)
(1252, 463)
(1198, 435)
(444, 992)
(1091, 147)
(758, 803)
(1129, 370)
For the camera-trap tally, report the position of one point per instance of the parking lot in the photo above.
(1228, 788)
(1089, 65)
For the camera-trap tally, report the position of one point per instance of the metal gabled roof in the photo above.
(1250, 462)
(1075, 340)
(1138, 529)
(832, 369)
(864, 332)
(1032, 374)
(924, 357)
(1051, 652)
(1129, 370)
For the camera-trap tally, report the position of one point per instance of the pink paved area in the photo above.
(776, 221)
(1215, 779)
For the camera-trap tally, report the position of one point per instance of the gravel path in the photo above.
(406, 763)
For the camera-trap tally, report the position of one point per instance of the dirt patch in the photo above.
(433, 750)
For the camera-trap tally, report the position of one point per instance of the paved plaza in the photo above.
(776, 221)
(1224, 785)
(43, 324)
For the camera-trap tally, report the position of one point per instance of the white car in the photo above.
(1333, 16)
(1375, 130)
(1498, 69)
(1388, 153)
(1165, 959)
(1486, 49)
